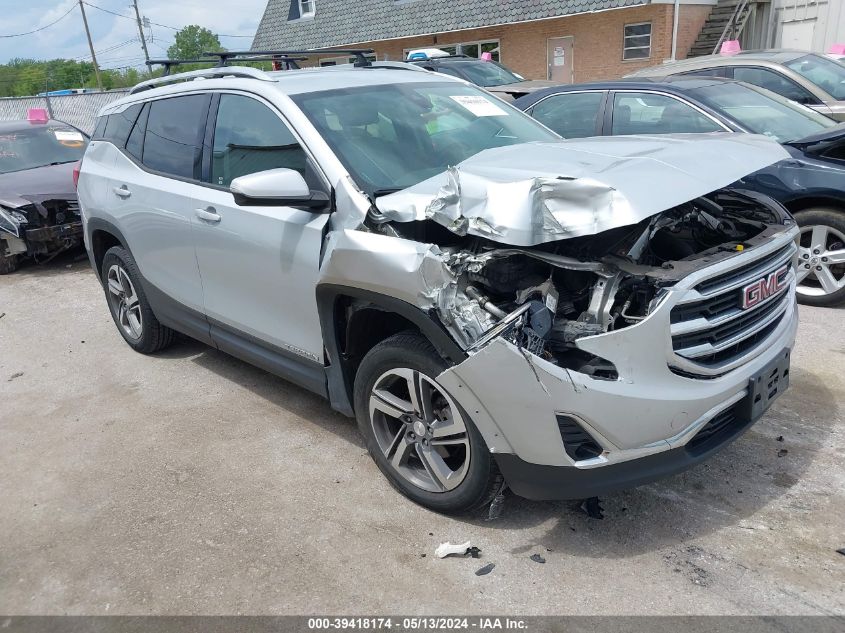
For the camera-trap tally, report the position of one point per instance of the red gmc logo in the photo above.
(764, 288)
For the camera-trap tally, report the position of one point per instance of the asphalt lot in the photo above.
(192, 483)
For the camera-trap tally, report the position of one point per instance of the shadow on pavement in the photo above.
(725, 491)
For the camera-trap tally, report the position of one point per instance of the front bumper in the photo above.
(644, 422)
(67, 231)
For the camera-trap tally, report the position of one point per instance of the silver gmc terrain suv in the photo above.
(493, 304)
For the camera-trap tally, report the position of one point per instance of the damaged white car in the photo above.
(494, 305)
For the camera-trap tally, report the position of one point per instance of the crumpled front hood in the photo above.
(533, 193)
(50, 182)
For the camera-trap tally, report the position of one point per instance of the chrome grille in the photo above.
(712, 332)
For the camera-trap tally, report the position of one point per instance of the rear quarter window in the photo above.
(119, 125)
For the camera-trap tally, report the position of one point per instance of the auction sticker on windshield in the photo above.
(479, 106)
(68, 135)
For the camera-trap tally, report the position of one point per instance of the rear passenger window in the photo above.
(771, 80)
(173, 136)
(647, 113)
(249, 137)
(572, 115)
(120, 123)
(136, 138)
(705, 72)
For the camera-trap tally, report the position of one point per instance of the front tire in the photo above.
(128, 304)
(821, 257)
(419, 437)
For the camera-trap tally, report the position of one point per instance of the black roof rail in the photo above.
(170, 63)
(360, 54)
(290, 63)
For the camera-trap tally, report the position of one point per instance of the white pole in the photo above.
(675, 30)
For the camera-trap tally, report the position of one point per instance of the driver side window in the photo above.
(250, 137)
(648, 113)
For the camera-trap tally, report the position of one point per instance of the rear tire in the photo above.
(821, 281)
(427, 447)
(128, 304)
(8, 263)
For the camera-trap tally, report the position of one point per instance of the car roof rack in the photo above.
(289, 62)
(221, 60)
(360, 54)
(204, 73)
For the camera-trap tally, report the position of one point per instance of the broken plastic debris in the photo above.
(497, 505)
(537, 558)
(485, 570)
(464, 549)
(841, 550)
(592, 507)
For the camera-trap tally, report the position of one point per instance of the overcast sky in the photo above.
(111, 33)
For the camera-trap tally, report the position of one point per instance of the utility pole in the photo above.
(141, 31)
(91, 46)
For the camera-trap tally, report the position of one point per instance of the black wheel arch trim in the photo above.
(339, 372)
(99, 224)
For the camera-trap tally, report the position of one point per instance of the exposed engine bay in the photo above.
(42, 228)
(544, 298)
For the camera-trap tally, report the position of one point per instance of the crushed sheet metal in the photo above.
(545, 388)
(533, 193)
(403, 269)
(354, 203)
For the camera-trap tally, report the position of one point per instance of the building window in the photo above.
(470, 49)
(307, 8)
(637, 41)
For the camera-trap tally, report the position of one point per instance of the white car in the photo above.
(492, 304)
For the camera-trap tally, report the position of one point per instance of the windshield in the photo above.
(764, 112)
(827, 74)
(393, 136)
(32, 147)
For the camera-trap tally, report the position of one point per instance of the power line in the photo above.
(108, 49)
(166, 26)
(43, 27)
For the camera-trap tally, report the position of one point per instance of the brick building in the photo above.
(565, 40)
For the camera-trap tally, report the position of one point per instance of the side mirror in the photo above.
(277, 188)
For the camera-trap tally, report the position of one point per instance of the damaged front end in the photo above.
(40, 227)
(546, 298)
(619, 312)
(545, 244)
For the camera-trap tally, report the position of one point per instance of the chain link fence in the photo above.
(78, 110)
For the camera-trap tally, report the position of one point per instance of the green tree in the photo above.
(22, 77)
(192, 41)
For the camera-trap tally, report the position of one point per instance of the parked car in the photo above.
(807, 78)
(488, 74)
(39, 214)
(811, 183)
(493, 305)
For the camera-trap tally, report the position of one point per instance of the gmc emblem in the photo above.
(764, 288)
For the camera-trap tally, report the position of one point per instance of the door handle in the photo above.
(122, 191)
(209, 214)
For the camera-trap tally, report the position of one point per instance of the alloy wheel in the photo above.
(821, 261)
(420, 430)
(124, 302)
